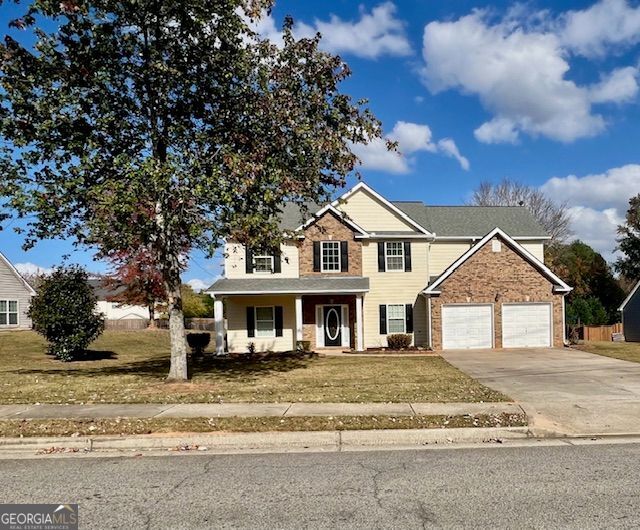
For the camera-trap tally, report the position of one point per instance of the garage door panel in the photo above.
(526, 325)
(467, 326)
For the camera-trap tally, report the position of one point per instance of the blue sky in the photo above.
(545, 93)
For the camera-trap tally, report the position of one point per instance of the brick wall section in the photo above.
(309, 315)
(330, 228)
(487, 275)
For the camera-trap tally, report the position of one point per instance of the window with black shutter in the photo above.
(251, 321)
(344, 256)
(383, 320)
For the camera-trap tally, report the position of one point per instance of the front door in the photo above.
(332, 320)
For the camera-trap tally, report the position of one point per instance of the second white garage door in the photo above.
(467, 326)
(526, 325)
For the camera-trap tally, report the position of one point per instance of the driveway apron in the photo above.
(567, 391)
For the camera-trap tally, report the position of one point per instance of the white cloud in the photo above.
(593, 31)
(375, 156)
(611, 189)
(374, 34)
(449, 148)
(597, 203)
(597, 228)
(518, 67)
(411, 138)
(198, 285)
(31, 269)
(620, 86)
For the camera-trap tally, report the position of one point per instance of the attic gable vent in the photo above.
(496, 246)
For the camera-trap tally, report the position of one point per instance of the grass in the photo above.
(130, 367)
(31, 428)
(627, 351)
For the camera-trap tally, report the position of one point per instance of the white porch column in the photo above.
(298, 320)
(359, 326)
(218, 315)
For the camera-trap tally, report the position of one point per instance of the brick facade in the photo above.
(330, 228)
(496, 278)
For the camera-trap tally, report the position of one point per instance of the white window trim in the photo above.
(404, 320)
(264, 256)
(255, 319)
(17, 313)
(322, 269)
(386, 257)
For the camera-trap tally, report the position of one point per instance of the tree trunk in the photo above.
(178, 369)
(152, 315)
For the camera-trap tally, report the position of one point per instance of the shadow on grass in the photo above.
(209, 366)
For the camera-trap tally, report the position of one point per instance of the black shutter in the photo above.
(383, 320)
(344, 256)
(251, 321)
(407, 256)
(278, 320)
(408, 315)
(316, 256)
(248, 258)
(381, 266)
(277, 261)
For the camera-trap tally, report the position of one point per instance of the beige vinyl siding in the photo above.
(13, 288)
(373, 216)
(236, 318)
(534, 247)
(394, 288)
(443, 254)
(234, 262)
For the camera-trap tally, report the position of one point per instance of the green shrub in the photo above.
(63, 311)
(198, 342)
(398, 341)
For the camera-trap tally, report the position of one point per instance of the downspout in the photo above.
(564, 323)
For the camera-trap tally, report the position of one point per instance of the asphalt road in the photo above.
(499, 487)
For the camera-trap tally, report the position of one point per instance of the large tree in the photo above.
(168, 124)
(552, 216)
(591, 277)
(629, 242)
(137, 280)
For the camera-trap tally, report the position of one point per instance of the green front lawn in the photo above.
(130, 367)
(627, 351)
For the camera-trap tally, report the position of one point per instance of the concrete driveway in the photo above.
(562, 390)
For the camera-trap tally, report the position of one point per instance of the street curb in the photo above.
(329, 441)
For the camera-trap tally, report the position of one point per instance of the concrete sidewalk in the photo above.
(213, 410)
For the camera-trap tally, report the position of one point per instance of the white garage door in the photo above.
(526, 325)
(467, 326)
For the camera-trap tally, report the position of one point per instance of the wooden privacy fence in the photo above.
(601, 333)
(127, 324)
(135, 324)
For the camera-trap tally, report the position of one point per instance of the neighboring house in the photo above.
(115, 310)
(15, 297)
(630, 309)
(363, 267)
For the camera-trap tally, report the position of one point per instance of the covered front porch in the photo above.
(283, 314)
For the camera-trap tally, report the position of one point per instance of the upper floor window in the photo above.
(394, 255)
(8, 312)
(331, 256)
(263, 264)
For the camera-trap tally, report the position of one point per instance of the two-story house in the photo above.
(362, 268)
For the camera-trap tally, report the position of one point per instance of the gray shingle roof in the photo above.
(473, 221)
(260, 284)
(104, 292)
(293, 215)
(444, 221)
